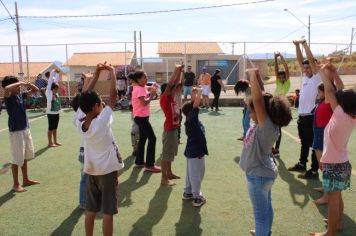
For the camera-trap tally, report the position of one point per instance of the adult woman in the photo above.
(216, 85)
(141, 98)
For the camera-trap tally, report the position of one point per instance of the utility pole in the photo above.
(309, 31)
(141, 59)
(352, 38)
(232, 48)
(18, 42)
(135, 48)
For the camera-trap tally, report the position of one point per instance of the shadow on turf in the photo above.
(215, 113)
(156, 210)
(131, 183)
(41, 151)
(67, 226)
(5, 168)
(189, 220)
(297, 187)
(6, 197)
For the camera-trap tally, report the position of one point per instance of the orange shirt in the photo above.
(205, 79)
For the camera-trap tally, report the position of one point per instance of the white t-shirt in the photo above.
(308, 93)
(77, 120)
(101, 153)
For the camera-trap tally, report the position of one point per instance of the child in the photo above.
(195, 150)
(79, 117)
(268, 114)
(282, 88)
(53, 109)
(102, 158)
(335, 160)
(244, 86)
(141, 99)
(171, 126)
(20, 135)
(322, 115)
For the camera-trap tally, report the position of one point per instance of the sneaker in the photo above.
(297, 167)
(187, 196)
(198, 202)
(310, 174)
(154, 169)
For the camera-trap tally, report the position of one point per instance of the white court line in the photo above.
(296, 139)
(30, 121)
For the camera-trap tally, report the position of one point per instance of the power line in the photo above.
(285, 36)
(11, 17)
(334, 19)
(152, 12)
(74, 26)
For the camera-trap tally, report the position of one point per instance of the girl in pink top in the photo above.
(141, 99)
(335, 164)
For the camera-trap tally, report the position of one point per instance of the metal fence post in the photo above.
(27, 65)
(68, 77)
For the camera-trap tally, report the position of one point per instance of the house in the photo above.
(198, 55)
(30, 70)
(86, 62)
(34, 68)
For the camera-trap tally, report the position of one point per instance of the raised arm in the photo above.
(311, 59)
(95, 78)
(10, 89)
(276, 69)
(33, 88)
(257, 96)
(286, 69)
(175, 78)
(53, 78)
(113, 92)
(327, 74)
(196, 97)
(299, 54)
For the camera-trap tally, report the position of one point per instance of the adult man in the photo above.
(121, 84)
(189, 81)
(41, 83)
(308, 93)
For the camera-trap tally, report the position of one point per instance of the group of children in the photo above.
(334, 118)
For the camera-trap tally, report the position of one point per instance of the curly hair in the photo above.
(9, 79)
(347, 101)
(278, 109)
(241, 86)
(135, 76)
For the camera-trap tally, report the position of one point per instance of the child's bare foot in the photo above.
(18, 189)
(321, 201)
(252, 232)
(173, 176)
(167, 183)
(58, 144)
(317, 234)
(51, 145)
(29, 182)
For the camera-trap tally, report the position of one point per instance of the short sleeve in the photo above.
(105, 117)
(141, 92)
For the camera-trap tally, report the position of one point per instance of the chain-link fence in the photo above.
(157, 59)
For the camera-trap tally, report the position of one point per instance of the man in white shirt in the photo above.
(308, 94)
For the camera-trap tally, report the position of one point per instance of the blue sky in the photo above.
(255, 22)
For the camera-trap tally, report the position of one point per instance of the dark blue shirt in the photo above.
(16, 108)
(196, 143)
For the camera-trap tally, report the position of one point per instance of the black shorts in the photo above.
(53, 120)
(101, 193)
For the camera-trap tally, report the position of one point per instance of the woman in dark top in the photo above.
(216, 85)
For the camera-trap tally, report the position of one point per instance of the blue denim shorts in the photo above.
(318, 139)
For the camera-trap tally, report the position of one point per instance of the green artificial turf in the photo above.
(145, 208)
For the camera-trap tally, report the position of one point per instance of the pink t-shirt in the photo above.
(336, 137)
(139, 109)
